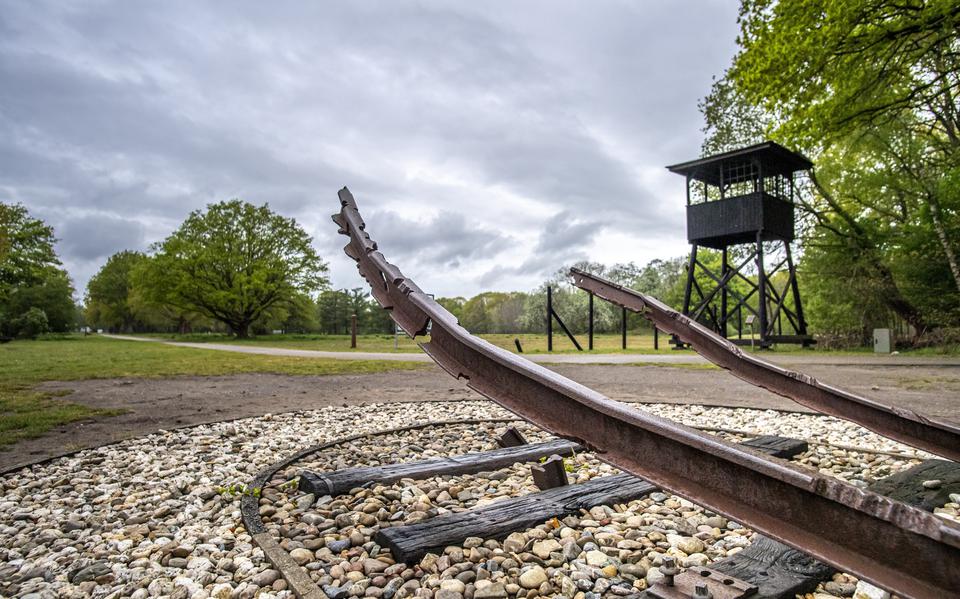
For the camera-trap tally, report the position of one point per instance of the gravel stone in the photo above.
(159, 515)
(533, 578)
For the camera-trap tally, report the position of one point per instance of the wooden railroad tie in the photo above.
(339, 482)
(499, 519)
(766, 569)
(781, 572)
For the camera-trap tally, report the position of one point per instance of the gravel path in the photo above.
(155, 516)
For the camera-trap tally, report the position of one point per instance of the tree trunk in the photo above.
(896, 302)
(891, 296)
(944, 241)
(241, 330)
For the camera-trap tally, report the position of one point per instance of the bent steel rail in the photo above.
(906, 426)
(889, 543)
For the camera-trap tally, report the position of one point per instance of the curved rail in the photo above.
(907, 550)
(933, 435)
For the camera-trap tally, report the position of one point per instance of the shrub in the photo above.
(31, 324)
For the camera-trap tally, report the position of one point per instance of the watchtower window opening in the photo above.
(739, 178)
(766, 168)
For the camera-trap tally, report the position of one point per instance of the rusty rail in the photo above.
(933, 435)
(886, 542)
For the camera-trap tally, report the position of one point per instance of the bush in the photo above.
(31, 324)
(945, 339)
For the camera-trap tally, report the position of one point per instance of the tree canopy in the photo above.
(26, 249)
(108, 300)
(36, 295)
(235, 263)
(868, 90)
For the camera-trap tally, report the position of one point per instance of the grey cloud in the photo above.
(565, 232)
(445, 240)
(97, 235)
(562, 241)
(145, 111)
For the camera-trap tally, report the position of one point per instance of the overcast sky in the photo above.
(487, 143)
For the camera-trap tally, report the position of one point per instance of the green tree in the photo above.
(53, 295)
(868, 90)
(235, 263)
(475, 317)
(32, 323)
(334, 308)
(453, 305)
(26, 249)
(31, 275)
(109, 293)
(826, 68)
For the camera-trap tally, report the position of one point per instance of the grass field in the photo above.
(25, 412)
(532, 343)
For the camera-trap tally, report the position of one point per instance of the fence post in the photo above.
(590, 333)
(623, 328)
(549, 319)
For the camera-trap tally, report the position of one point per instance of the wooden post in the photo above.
(762, 280)
(353, 331)
(656, 337)
(550, 474)
(623, 328)
(549, 319)
(740, 320)
(723, 293)
(590, 327)
(796, 292)
(688, 288)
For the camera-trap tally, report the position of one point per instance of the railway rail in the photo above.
(909, 551)
(924, 432)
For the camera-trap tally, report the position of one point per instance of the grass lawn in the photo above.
(532, 343)
(23, 364)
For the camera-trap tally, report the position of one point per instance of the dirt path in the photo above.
(155, 404)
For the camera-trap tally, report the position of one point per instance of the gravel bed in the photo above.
(160, 515)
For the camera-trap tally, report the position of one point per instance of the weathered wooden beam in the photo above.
(781, 572)
(778, 571)
(778, 447)
(927, 485)
(339, 482)
(499, 519)
(550, 474)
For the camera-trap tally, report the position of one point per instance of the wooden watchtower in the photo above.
(741, 203)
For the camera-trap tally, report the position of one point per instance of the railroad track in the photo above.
(927, 433)
(911, 552)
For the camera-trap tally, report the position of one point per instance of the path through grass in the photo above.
(533, 343)
(26, 413)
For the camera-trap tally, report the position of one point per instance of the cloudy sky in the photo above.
(487, 143)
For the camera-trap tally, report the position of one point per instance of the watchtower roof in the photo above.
(773, 158)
